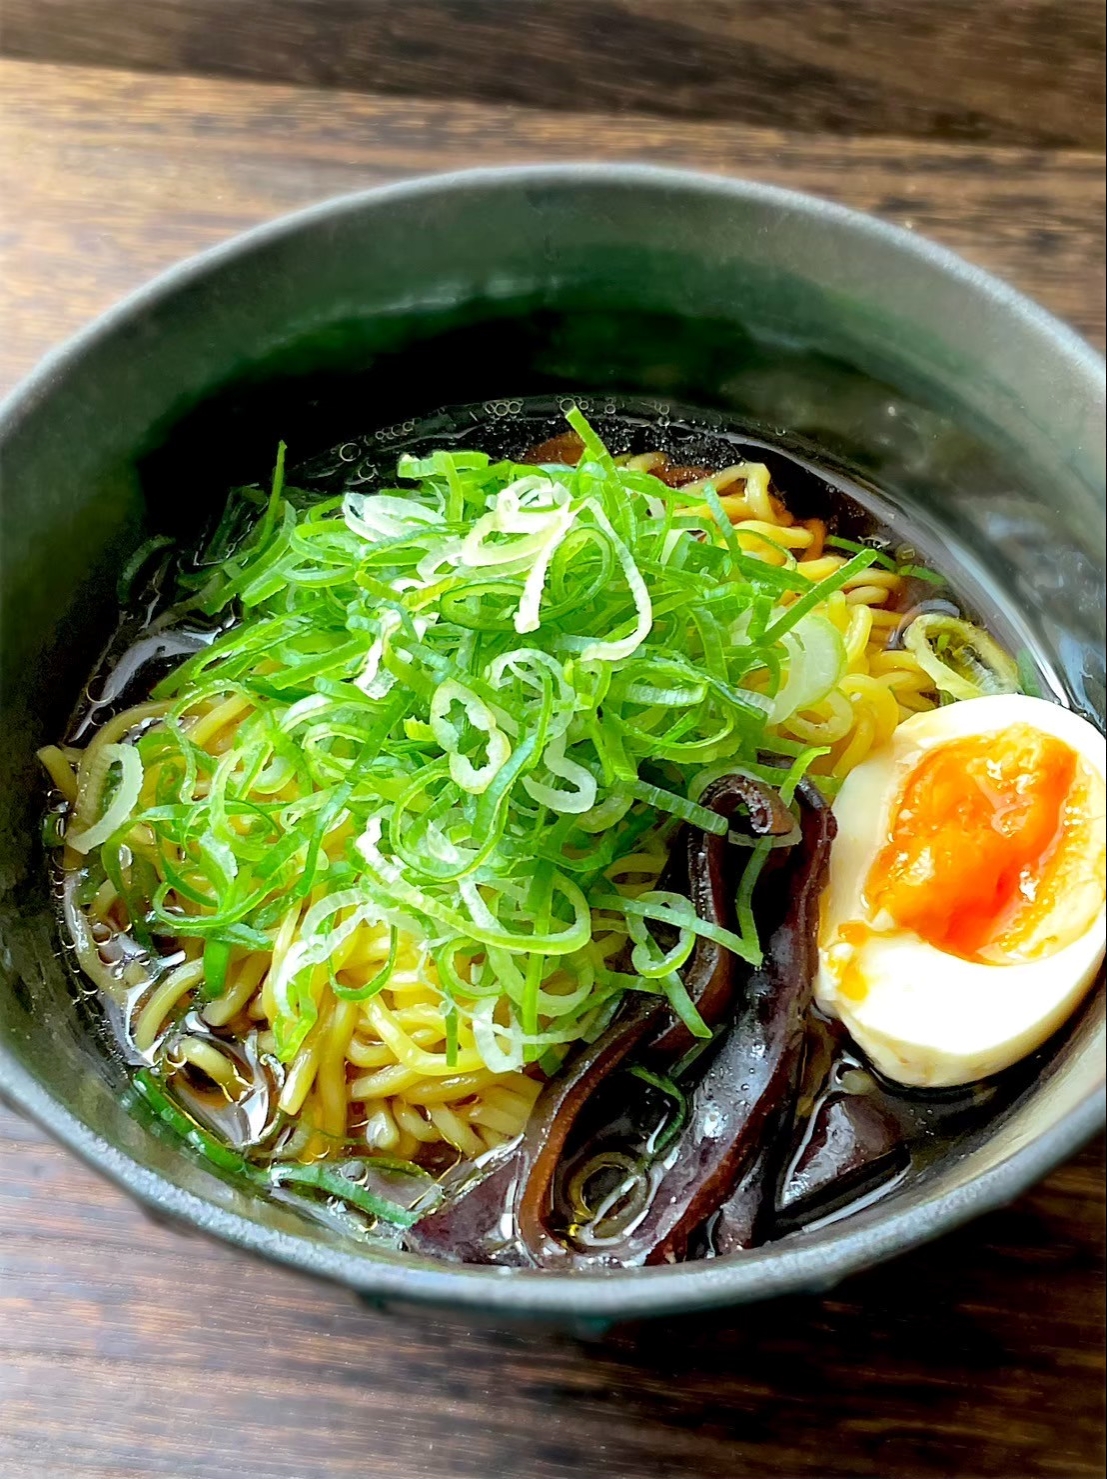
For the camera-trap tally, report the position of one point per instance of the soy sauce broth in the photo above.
(630, 1116)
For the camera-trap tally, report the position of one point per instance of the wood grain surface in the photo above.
(1009, 71)
(106, 177)
(128, 1350)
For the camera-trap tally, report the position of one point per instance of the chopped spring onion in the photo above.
(816, 662)
(679, 806)
(184, 1126)
(1029, 679)
(675, 1123)
(676, 910)
(474, 779)
(963, 660)
(331, 1180)
(122, 804)
(882, 560)
(449, 709)
(138, 562)
(902, 566)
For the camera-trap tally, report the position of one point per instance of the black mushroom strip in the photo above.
(479, 1225)
(744, 1097)
(471, 1224)
(852, 1146)
(702, 866)
(849, 1137)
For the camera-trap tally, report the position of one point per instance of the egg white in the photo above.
(928, 1018)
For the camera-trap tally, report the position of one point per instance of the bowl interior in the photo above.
(974, 414)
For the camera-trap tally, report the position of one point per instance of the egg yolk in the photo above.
(978, 823)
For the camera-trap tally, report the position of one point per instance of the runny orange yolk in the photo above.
(978, 824)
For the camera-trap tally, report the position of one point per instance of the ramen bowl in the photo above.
(979, 417)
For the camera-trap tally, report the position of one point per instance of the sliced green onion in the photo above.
(684, 1007)
(378, 982)
(123, 803)
(816, 662)
(676, 910)
(647, 958)
(818, 594)
(217, 957)
(962, 659)
(1029, 678)
(921, 572)
(184, 1126)
(53, 829)
(469, 777)
(884, 561)
(329, 1179)
(677, 1120)
(138, 561)
(679, 806)
(615, 649)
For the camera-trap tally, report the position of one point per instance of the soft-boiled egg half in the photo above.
(963, 917)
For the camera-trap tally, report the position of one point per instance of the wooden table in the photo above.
(130, 1350)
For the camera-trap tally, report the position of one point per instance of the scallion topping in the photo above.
(451, 709)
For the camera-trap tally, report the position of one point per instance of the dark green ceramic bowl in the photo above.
(974, 411)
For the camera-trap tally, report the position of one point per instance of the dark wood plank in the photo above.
(107, 177)
(1011, 71)
(130, 1351)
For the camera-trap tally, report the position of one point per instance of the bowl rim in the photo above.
(804, 1263)
(24, 395)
